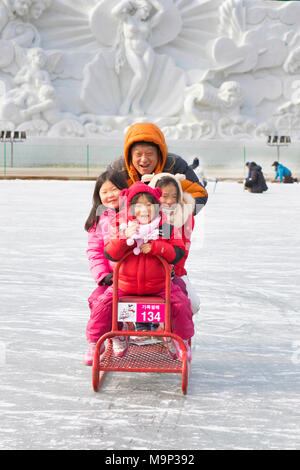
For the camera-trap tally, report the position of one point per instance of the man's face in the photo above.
(144, 158)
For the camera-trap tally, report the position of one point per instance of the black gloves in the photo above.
(107, 280)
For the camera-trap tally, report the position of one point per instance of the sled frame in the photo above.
(153, 358)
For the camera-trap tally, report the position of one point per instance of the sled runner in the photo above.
(141, 358)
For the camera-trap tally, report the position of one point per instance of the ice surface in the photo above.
(245, 379)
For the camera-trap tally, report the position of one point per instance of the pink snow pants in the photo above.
(100, 321)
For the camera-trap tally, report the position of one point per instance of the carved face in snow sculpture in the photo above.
(37, 57)
(143, 10)
(38, 7)
(47, 92)
(230, 93)
(21, 7)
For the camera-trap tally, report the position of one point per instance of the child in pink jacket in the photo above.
(105, 206)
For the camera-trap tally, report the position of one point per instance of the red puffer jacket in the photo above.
(144, 274)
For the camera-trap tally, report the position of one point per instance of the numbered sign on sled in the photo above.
(145, 311)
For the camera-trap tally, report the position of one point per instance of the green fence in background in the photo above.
(24, 155)
(98, 155)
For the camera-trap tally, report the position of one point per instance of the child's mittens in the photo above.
(143, 234)
(129, 241)
(137, 249)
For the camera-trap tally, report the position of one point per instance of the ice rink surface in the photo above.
(245, 378)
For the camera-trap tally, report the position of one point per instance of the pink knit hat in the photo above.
(138, 188)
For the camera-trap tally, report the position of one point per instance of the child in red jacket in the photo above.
(143, 273)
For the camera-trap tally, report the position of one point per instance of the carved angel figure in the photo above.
(38, 7)
(12, 26)
(22, 9)
(16, 26)
(203, 99)
(34, 71)
(136, 23)
(34, 93)
(239, 49)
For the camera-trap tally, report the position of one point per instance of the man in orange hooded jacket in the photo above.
(145, 152)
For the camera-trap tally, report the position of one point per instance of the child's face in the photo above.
(144, 210)
(169, 196)
(109, 195)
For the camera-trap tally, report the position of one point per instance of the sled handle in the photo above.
(116, 287)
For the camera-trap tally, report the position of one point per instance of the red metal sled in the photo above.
(146, 358)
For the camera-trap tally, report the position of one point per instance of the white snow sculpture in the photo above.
(292, 106)
(132, 45)
(20, 13)
(23, 34)
(138, 76)
(34, 96)
(38, 7)
(207, 104)
(34, 72)
(15, 28)
(12, 27)
(7, 53)
(292, 62)
(240, 50)
(288, 120)
(203, 69)
(204, 99)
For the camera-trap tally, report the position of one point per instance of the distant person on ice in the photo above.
(255, 182)
(283, 173)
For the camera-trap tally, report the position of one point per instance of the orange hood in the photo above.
(146, 132)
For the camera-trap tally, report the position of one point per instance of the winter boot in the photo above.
(179, 351)
(170, 347)
(89, 355)
(120, 343)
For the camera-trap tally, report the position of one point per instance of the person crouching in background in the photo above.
(255, 182)
(283, 173)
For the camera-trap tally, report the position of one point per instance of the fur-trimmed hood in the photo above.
(186, 204)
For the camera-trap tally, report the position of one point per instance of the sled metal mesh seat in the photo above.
(146, 358)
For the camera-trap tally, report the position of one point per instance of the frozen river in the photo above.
(244, 390)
